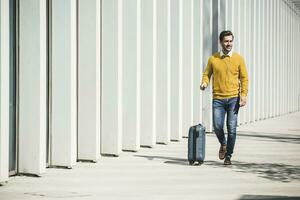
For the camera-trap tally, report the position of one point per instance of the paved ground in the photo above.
(266, 165)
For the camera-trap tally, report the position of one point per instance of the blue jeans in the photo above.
(231, 108)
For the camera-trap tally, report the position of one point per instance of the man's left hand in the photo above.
(243, 101)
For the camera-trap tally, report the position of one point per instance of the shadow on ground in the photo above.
(276, 137)
(267, 197)
(272, 171)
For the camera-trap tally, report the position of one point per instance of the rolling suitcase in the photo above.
(196, 144)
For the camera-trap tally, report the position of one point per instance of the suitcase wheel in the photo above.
(191, 162)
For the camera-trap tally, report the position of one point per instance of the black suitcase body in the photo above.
(196, 144)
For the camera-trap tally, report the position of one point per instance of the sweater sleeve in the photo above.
(207, 72)
(243, 78)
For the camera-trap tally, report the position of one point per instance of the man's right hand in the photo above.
(203, 86)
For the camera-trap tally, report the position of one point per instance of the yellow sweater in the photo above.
(230, 76)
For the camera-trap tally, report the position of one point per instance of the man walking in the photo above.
(230, 89)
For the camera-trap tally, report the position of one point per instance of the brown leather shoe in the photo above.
(222, 151)
(227, 161)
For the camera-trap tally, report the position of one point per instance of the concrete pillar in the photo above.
(187, 66)
(262, 90)
(197, 61)
(263, 60)
(291, 60)
(281, 52)
(4, 90)
(245, 53)
(32, 87)
(236, 30)
(273, 64)
(284, 92)
(287, 74)
(242, 47)
(234, 14)
(291, 41)
(89, 79)
(221, 15)
(64, 83)
(297, 63)
(268, 60)
(259, 60)
(131, 74)
(278, 56)
(294, 92)
(111, 124)
(254, 13)
(180, 35)
(298, 68)
(218, 23)
(249, 61)
(289, 63)
(207, 52)
(147, 134)
(176, 134)
(163, 71)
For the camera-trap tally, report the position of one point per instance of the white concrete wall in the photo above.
(4, 89)
(64, 83)
(32, 87)
(89, 79)
(266, 35)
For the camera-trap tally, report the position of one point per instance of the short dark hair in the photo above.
(225, 33)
